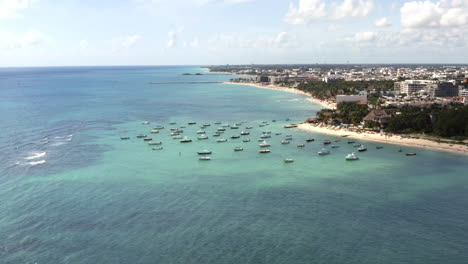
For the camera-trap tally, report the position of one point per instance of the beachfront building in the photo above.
(429, 87)
(411, 87)
(377, 115)
(353, 99)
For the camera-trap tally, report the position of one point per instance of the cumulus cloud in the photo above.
(130, 41)
(308, 11)
(365, 36)
(382, 22)
(125, 42)
(84, 44)
(172, 42)
(29, 38)
(10, 9)
(353, 8)
(424, 14)
(305, 12)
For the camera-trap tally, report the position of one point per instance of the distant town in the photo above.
(427, 99)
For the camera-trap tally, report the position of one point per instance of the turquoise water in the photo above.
(72, 192)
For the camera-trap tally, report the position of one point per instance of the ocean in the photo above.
(72, 191)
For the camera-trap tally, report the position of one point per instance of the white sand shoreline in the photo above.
(325, 104)
(375, 137)
(390, 139)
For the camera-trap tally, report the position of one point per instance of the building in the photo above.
(431, 88)
(353, 99)
(442, 89)
(378, 115)
(411, 87)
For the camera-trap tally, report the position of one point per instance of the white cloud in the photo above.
(124, 43)
(194, 43)
(281, 38)
(306, 12)
(30, 38)
(172, 42)
(382, 22)
(130, 41)
(366, 36)
(84, 44)
(425, 14)
(10, 9)
(353, 8)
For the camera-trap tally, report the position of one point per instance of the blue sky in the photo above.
(160, 32)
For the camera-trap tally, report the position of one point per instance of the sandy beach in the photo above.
(376, 137)
(323, 103)
(391, 139)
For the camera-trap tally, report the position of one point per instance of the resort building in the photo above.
(353, 99)
(378, 115)
(429, 87)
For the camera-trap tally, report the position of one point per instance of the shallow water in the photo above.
(73, 192)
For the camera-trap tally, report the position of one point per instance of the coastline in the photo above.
(323, 103)
(390, 139)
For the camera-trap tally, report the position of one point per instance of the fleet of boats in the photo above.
(176, 133)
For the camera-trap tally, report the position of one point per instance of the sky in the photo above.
(218, 32)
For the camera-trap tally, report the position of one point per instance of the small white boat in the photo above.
(177, 137)
(248, 127)
(145, 123)
(216, 135)
(362, 148)
(265, 136)
(201, 131)
(154, 143)
(263, 151)
(175, 134)
(201, 137)
(300, 145)
(290, 126)
(245, 133)
(264, 144)
(221, 140)
(323, 152)
(246, 140)
(284, 142)
(217, 122)
(351, 156)
(238, 149)
(206, 125)
(221, 129)
(204, 152)
(157, 148)
(287, 160)
(154, 131)
(234, 127)
(185, 140)
(204, 158)
(158, 127)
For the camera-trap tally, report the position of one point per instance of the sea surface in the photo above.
(71, 191)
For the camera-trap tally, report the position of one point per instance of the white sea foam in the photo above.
(36, 155)
(39, 162)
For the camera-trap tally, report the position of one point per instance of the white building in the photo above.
(353, 99)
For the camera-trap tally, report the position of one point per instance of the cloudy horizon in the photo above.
(209, 32)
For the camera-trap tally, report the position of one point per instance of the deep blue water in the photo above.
(72, 192)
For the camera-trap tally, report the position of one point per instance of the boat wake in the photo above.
(35, 163)
(36, 156)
